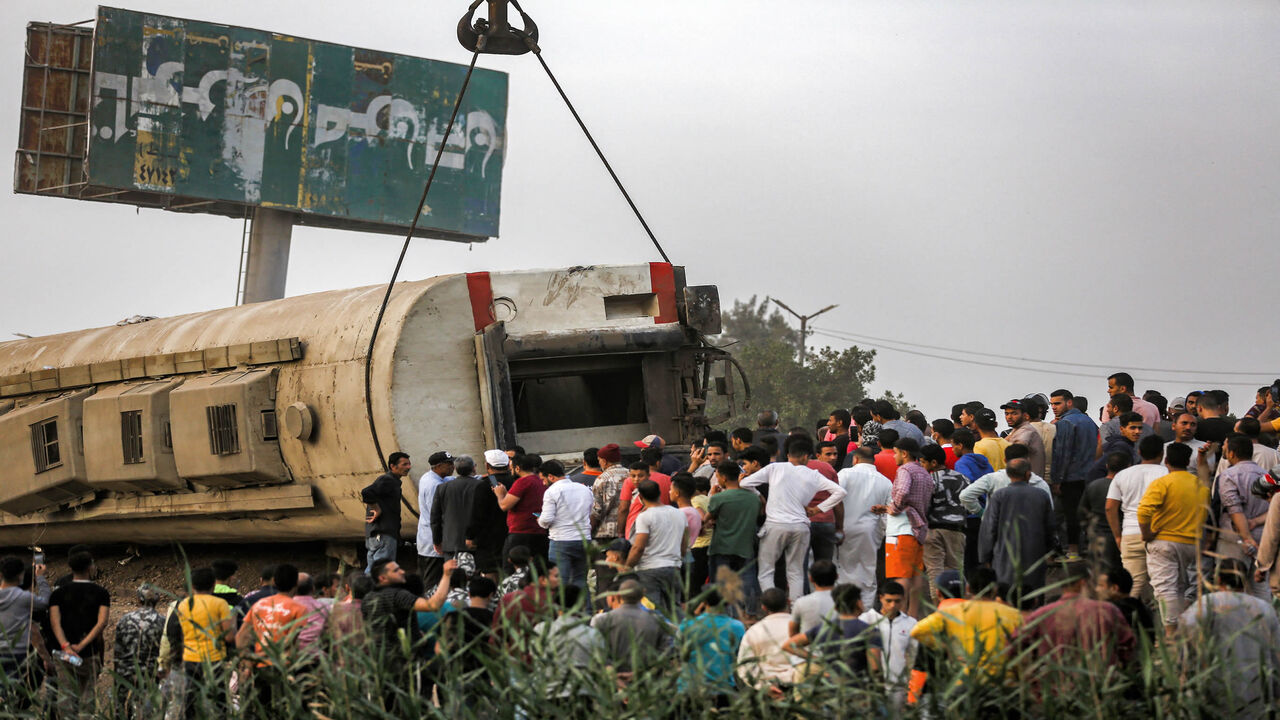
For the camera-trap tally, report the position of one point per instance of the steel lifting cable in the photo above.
(386, 298)
(537, 52)
(530, 40)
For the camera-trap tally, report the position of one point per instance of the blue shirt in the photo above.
(973, 465)
(711, 641)
(1075, 446)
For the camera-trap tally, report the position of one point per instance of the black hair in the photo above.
(1015, 451)
(1123, 379)
(716, 436)
(823, 446)
(1240, 446)
(823, 573)
(755, 453)
(886, 410)
(847, 597)
(649, 490)
(729, 470)
(1081, 403)
(378, 569)
(860, 415)
(684, 483)
(360, 585)
(394, 458)
(1121, 578)
(964, 438)
(651, 456)
(944, 427)
(908, 446)
(915, 417)
(517, 449)
(1118, 461)
(1064, 394)
(481, 586)
(800, 446)
(774, 600)
(519, 555)
(80, 562)
(891, 587)
(202, 580)
(639, 465)
(981, 581)
(1249, 427)
(1177, 455)
(554, 468)
(1155, 398)
(842, 416)
(1232, 573)
(224, 569)
(1130, 418)
(1151, 447)
(1123, 403)
(268, 572)
(528, 463)
(12, 569)
(590, 458)
(973, 406)
(742, 435)
(1208, 401)
(888, 438)
(955, 414)
(286, 577)
(933, 453)
(985, 421)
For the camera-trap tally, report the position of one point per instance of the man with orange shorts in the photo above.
(906, 526)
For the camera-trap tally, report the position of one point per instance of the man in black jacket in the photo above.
(382, 510)
(466, 517)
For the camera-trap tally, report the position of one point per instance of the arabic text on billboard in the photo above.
(225, 113)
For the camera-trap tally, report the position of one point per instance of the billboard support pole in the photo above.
(267, 266)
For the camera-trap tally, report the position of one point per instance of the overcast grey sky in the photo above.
(1088, 182)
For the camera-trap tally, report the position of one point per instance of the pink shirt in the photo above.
(694, 518)
(1150, 413)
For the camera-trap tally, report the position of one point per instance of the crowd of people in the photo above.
(866, 549)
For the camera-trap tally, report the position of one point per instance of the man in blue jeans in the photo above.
(566, 514)
(382, 510)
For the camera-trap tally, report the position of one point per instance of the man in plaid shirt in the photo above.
(607, 494)
(907, 525)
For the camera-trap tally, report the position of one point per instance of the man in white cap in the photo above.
(670, 465)
(465, 516)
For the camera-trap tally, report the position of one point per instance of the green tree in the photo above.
(766, 347)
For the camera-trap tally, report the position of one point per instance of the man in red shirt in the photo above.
(886, 460)
(523, 504)
(943, 430)
(629, 505)
(271, 628)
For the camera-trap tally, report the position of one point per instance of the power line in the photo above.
(1003, 356)
(983, 363)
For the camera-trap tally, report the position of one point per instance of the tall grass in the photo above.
(1166, 679)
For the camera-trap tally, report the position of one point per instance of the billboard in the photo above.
(205, 117)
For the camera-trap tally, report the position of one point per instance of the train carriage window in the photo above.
(131, 436)
(270, 430)
(44, 445)
(564, 395)
(224, 434)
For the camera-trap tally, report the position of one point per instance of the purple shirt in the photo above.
(912, 493)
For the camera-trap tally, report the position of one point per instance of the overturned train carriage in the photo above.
(249, 423)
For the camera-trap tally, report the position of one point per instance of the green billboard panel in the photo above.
(217, 116)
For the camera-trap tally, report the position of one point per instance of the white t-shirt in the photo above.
(665, 526)
(895, 525)
(809, 611)
(1128, 487)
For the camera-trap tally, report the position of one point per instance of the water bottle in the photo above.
(70, 658)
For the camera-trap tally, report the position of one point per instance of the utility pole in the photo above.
(804, 323)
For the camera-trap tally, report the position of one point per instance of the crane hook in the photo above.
(495, 35)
